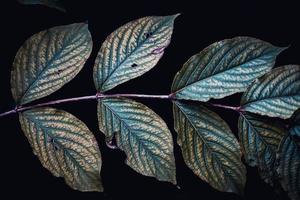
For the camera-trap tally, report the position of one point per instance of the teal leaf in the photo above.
(141, 134)
(209, 148)
(64, 146)
(277, 94)
(260, 138)
(289, 164)
(48, 60)
(295, 122)
(132, 50)
(224, 68)
(57, 4)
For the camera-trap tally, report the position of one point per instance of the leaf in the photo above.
(132, 50)
(295, 121)
(224, 68)
(277, 94)
(260, 138)
(57, 4)
(141, 134)
(48, 60)
(289, 164)
(65, 146)
(209, 148)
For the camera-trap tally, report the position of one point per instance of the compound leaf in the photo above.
(48, 60)
(132, 50)
(209, 148)
(289, 164)
(277, 94)
(65, 146)
(50, 3)
(224, 68)
(260, 138)
(141, 134)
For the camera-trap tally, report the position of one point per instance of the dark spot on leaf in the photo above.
(56, 148)
(59, 71)
(159, 50)
(134, 65)
(148, 34)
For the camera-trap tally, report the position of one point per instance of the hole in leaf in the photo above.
(56, 148)
(112, 144)
(58, 72)
(134, 65)
(148, 34)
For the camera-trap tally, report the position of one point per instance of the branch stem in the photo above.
(238, 108)
(100, 96)
(82, 98)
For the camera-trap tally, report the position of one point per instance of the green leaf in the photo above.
(209, 148)
(141, 134)
(57, 4)
(224, 68)
(65, 146)
(289, 164)
(132, 50)
(48, 60)
(260, 138)
(295, 121)
(277, 94)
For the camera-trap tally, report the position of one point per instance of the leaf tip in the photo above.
(281, 49)
(236, 189)
(173, 17)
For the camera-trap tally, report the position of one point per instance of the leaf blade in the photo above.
(209, 148)
(260, 138)
(48, 60)
(224, 68)
(277, 94)
(289, 164)
(64, 146)
(132, 50)
(141, 134)
(50, 3)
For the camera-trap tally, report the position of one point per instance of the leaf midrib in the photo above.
(130, 54)
(47, 65)
(269, 98)
(216, 74)
(257, 133)
(48, 132)
(127, 126)
(199, 134)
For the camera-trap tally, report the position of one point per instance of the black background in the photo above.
(201, 23)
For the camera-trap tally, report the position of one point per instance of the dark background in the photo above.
(201, 23)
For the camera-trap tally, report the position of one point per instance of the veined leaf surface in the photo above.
(141, 134)
(277, 94)
(48, 60)
(65, 146)
(50, 3)
(209, 148)
(224, 68)
(295, 122)
(132, 50)
(289, 164)
(260, 138)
